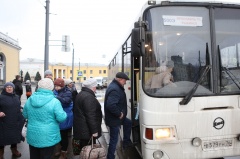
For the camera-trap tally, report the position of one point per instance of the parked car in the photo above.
(99, 82)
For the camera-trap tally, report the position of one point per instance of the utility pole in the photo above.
(73, 63)
(46, 55)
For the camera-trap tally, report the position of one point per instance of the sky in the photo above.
(97, 28)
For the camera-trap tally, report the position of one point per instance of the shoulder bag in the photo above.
(93, 151)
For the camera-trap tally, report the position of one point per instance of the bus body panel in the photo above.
(191, 123)
(212, 118)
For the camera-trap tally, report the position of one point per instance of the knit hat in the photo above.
(59, 82)
(27, 81)
(9, 84)
(122, 75)
(90, 83)
(67, 81)
(46, 83)
(47, 72)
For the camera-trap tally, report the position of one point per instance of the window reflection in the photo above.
(185, 45)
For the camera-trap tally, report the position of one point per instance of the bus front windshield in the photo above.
(177, 50)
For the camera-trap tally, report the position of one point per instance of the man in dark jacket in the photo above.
(115, 108)
(87, 118)
(18, 86)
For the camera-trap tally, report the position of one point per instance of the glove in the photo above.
(95, 135)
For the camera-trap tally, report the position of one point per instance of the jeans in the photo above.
(114, 131)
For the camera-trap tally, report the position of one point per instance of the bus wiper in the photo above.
(189, 96)
(230, 74)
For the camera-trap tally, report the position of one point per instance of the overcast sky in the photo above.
(97, 28)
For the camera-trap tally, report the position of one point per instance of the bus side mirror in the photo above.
(137, 42)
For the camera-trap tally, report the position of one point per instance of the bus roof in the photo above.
(203, 1)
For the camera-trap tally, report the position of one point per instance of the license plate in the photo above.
(217, 144)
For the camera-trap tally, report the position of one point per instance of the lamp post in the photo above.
(73, 63)
(46, 55)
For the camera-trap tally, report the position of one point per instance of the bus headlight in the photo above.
(162, 133)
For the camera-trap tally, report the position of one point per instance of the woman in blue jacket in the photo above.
(44, 113)
(64, 95)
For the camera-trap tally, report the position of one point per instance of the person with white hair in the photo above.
(87, 115)
(47, 74)
(70, 84)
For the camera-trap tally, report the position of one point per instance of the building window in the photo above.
(104, 71)
(91, 71)
(84, 78)
(70, 71)
(84, 71)
(100, 71)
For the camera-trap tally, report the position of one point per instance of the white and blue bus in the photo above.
(198, 114)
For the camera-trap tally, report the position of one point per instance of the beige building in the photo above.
(87, 70)
(9, 58)
(81, 73)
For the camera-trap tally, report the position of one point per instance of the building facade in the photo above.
(9, 58)
(64, 70)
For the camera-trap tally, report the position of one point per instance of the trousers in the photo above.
(114, 131)
(41, 153)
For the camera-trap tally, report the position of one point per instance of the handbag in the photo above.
(76, 147)
(93, 151)
(24, 130)
(28, 94)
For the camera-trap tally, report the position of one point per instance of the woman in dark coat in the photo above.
(11, 120)
(87, 114)
(64, 95)
(18, 86)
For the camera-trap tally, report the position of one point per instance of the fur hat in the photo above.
(122, 75)
(170, 64)
(9, 84)
(90, 83)
(46, 83)
(59, 82)
(47, 72)
(67, 81)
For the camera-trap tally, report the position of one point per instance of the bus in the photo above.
(197, 113)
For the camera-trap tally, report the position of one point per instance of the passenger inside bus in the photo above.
(161, 78)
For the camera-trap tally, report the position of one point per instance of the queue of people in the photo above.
(55, 109)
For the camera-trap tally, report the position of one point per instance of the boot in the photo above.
(15, 152)
(63, 155)
(58, 150)
(1, 153)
